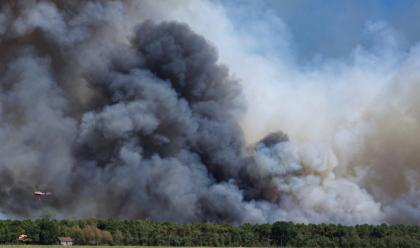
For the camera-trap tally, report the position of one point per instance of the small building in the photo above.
(65, 241)
(23, 237)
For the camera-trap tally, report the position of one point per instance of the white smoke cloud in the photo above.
(360, 107)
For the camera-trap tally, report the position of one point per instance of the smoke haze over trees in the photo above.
(123, 112)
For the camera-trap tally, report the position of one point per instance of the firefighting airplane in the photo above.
(40, 193)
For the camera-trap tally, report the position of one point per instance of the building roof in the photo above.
(65, 239)
(22, 237)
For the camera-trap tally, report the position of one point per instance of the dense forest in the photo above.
(145, 232)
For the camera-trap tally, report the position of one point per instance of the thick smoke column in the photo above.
(139, 130)
(125, 117)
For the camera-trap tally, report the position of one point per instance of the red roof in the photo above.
(65, 239)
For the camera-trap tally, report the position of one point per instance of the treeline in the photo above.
(141, 232)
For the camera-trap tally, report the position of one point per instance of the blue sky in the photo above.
(329, 28)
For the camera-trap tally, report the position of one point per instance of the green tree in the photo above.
(48, 231)
(283, 233)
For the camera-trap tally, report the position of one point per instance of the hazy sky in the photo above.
(328, 28)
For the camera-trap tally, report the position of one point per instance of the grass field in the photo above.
(90, 246)
(114, 246)
(93, 246)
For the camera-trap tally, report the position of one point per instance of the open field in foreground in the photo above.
(108, 246)
(98, 246)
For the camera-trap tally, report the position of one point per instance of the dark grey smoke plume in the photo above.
(139, 130)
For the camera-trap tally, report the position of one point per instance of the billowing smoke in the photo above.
(120, 114)
(145, 129)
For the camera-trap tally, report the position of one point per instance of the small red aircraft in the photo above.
(40, 193)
